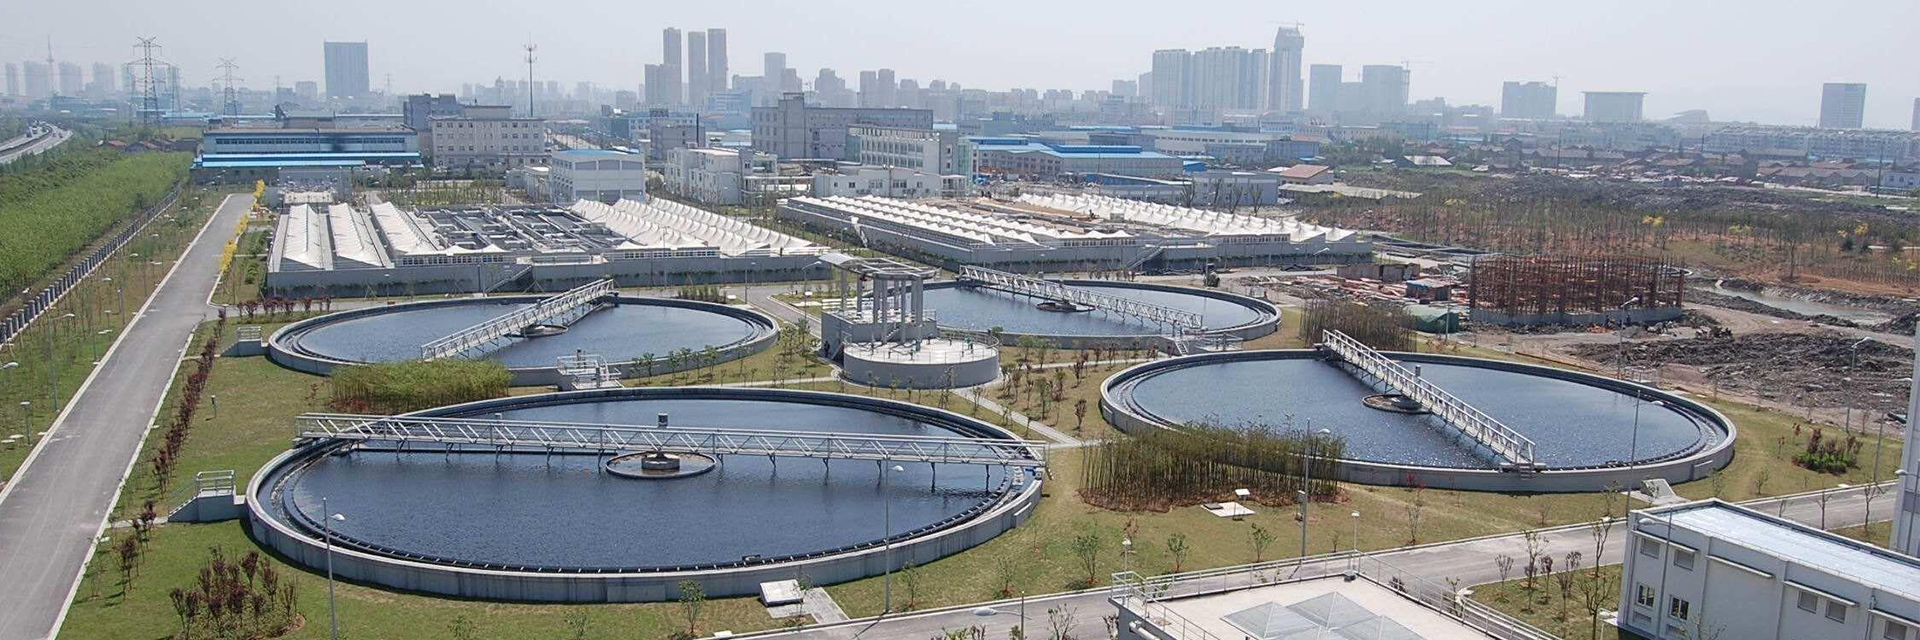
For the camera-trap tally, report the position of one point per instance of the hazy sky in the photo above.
(1739, 59)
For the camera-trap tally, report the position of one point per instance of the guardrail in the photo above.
(508, 323)
(51, 294)
(576, 436)
(1180, 321)
(1476, 424)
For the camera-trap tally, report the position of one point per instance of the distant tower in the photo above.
(1843, 105)
(716, 60)
(1285, 92)
(697, 69)
(670, 64)
(530, 47)
(232, 102)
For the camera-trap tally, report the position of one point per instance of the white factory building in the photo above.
(1712, 569)
(597, 175)
(384, 250)
(1073, 232)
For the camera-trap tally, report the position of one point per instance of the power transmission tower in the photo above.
(149, 93)
(530, 46)
(233, 101)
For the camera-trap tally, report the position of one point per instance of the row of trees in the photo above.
(1202, 463)
(48, 215)
(1379, 326)
(186, 406)
(398, 387)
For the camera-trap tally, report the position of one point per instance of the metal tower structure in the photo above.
(149, 95)
(227, 66)
(530, 47)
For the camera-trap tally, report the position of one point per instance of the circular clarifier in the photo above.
(977, 308)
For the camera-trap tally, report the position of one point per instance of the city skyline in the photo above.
(1756, 82)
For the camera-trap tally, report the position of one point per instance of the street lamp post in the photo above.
(1306, 488)
(1356, 531)
(887, 531)
(326, 524)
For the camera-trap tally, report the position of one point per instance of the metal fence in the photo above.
(47, 297)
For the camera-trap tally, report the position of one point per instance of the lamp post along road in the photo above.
(887, 536)
(326, 524)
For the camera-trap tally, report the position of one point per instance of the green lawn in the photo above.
(1545, 607)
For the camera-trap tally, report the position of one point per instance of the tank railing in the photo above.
(514, 321)
(205, 484)
(573, 436)
(587, 368)
(1476, 424)
(1180, 321)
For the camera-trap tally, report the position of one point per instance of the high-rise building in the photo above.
(1172, 79)
(670, 65)
(307, 90)
(716, 60)
(1615, 106)
(72, 83)
(38, 79)
(1324, 88)
(1227, 78)
(1843, 105)
(102, 83)
(1284, 89)
(773, 70)
(869, 89)
(1126, 88)
(1916, 113)
(347, 75)
(697, 76)
(13, 81)
(1528, 100)
(1387, 87)
(887, 89)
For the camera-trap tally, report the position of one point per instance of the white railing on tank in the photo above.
(1179, 321)
(1476, 424)
(575, 436)
(584, 368)
(512, 322)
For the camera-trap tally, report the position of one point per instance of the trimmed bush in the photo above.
(399, 387)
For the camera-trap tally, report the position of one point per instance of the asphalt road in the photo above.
(59, 136)
(56, 506)
(1469, 561)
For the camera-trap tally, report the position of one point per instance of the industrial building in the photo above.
(939, 152)
(1713, 569)
(793, 129)
(1073, 232)
(1030, 159)
(487, 138)
(597, 175)
(259, 149)
(854, 180)
(344, 249)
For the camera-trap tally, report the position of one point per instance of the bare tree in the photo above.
(1534, 549)
(1595, 587)
(1416, 506)
(1504, 563)
(1565, 580)
(1060, 622)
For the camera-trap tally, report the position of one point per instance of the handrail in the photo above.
(579, 436)
(510, 322)
(1181, 321)
(1476, 424)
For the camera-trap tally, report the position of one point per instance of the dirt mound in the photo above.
(1805, 368)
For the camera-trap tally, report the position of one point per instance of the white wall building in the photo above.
(1843, 105)
(892, 182)
(1712, 569)
(706, 175)
(597, 175)
(488, 137)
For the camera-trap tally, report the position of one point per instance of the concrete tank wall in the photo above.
(1268, 323)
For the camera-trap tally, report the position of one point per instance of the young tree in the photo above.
(692, 599)
(1079, 414)
(1006, 575)
(577, 621)
(462, 629)
(1060, 621)
(1416, 506)
(1086, 547)
(1504, 563)
(1261, 538)
(910, 580)
(1535, 545)
(1565, 580)
(1177, 550)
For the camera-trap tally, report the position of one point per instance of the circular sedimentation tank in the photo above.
(623, 331)
(1583, 426)
(961, 305)
(531, 525)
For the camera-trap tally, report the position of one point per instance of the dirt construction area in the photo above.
(1821, 369)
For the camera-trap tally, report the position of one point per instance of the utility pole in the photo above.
(530, 47)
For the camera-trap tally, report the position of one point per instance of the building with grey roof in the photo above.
(1713, 569)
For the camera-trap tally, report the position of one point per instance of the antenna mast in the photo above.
(530, 46)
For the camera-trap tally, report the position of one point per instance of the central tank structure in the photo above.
(755, 493)
(619, 329)
(1518, 427)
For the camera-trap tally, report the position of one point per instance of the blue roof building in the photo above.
(1031, 158)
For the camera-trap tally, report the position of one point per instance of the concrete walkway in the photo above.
(55, 509)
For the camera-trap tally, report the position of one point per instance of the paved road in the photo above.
(39, 146)
(58, 503)
(1471, 562)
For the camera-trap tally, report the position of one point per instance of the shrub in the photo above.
(398, 387)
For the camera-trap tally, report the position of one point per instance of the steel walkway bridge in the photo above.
(513, 322)
(1180, 321)
(1474, 423)
(519, 435)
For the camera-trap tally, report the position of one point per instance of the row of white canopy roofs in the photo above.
(664, 224)
(343, 237)
(1210, 223)
(974, 227)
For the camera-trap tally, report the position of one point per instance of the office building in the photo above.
(487, 138)
(1228, 78)
(1128, 89)
(706, 175)
(1711, 569)
(939, 152)
(1916, 114)
(1843, 105)
(101, 85)
(597, 175)
(1172, 79)
(72, 83)
(793, 129)
(716, 61)
(831, 90)
(1615, 106)
(1324, 88)
(307, 90)
(1387, 88)
(13, 82)
(420, 109)
(888, 88)
(1284, 89)
(670, 68)
(854, 181)
(1528, 100)
(697, 76)
(773, 73)
(38, 79)
(347, 75)
(869, 88)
